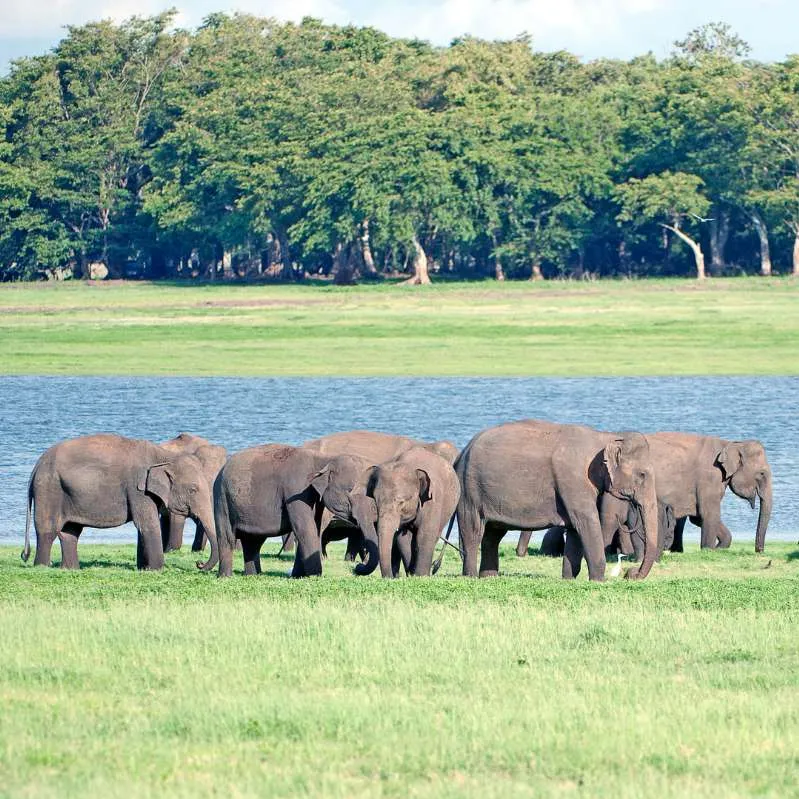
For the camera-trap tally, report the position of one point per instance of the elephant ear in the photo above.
(321, 480)
(730, 459)
(364, 509)
(425, 490)
(611, 457)
(157, 480)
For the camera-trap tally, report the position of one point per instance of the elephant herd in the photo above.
(392, 496)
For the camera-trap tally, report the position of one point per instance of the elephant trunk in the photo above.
(387, 525)
(205, 517)
(764, 491)
(648, 511)
(363, 512)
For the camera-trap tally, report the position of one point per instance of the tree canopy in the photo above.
(253, 148)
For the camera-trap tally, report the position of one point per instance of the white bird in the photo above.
(616, 570)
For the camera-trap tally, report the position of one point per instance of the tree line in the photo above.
(253, 148)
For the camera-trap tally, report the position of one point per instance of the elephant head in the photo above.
(336, 481)
(181, 487)
(631, 477)
(393, 494)
(748, 474)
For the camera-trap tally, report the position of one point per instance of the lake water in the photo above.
(36, 412)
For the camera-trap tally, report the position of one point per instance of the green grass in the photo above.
(653, 327)
(115, 683)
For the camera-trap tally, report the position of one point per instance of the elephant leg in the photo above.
(723, 536)
(489, 550)
(677, 543)
(251, 547)
(524, 543)
(308, 559)
(69, 545)
(149, 546)
(425, 544)
(401, 553)
(355, 547)
(44, 546)
(289, 542)
(572, 556)
(638, 547)
(584, 520)
(470, 529)
(174, 538)
(552, 543)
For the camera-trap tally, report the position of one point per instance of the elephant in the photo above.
(105, 480)
(401, 506)
(374, 447)
(692, 472)
(532, 475)
(266, 491)
(212, 457)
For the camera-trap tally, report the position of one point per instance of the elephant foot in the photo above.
(489, 573)
(633, 574)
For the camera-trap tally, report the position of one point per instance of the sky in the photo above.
(587, 28)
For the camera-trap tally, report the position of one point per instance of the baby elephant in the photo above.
(414, 494)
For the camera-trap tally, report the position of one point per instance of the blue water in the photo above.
(36, 412)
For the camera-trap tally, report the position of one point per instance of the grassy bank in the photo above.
(115, 683)
(658, 327)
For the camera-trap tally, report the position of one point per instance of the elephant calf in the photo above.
(401, 507)
(212, 457)
(106, 480)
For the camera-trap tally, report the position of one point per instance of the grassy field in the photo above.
(653, 327)
(120, 684)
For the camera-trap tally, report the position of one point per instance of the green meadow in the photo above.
(653, 327)
(120, 684)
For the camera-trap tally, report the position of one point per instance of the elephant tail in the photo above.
(26, 552)
(440, 558)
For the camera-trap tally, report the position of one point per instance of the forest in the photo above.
(254, 149)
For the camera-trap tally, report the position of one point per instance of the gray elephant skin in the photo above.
(626, 534)
(400, 506)
(374, 447)
(212, 457)
(692, 473)
(266, 491)
(532, 475)
(107, 480)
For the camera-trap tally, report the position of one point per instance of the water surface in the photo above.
(36, 412)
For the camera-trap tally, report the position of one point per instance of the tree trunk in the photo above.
(697, 250)
(536, 273)
(421, 276)
(366, 250)
(719, 233)
(765, 250)
(795, 270)
(499, 272)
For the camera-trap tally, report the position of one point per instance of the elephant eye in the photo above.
(193, 489)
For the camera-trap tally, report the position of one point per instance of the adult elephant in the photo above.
(400, 506)
(692, 472)
(212, 457)
(266, 491)
(106, 480)
(532, 475)
(374, 447)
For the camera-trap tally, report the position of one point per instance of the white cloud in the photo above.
(47, 17)
(504, 19)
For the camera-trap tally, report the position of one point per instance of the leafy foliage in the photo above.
(256, 147)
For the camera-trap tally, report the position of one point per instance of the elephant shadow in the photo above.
(104, 563)
(793, 556)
